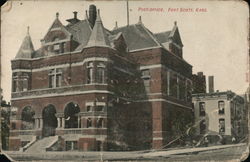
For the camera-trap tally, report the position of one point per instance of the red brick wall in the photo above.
(87, 144)
(14, 144)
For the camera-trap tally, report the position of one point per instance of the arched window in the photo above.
(27, 118)
(221, 107)
(89, 122)
(71, 115)
(49, 120)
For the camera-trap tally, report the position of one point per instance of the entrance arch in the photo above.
(49, 120)
(27, 117)
(70, 115)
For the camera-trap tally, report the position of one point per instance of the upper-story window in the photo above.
(89, 122)
(146, 79)
(100, 108)
(173, 85)
(100, 72)
(90, 67)
(55, 78)
(57, 47)
(20, 82)
(221, 107)
(202, 108)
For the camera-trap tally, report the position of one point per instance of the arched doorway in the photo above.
(27, 117)
(49, 121)
(70, 115)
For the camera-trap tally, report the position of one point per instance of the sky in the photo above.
(214, 34)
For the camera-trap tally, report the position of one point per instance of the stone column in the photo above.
(78, 121)
(58, 123)
(36, 123)
(41, 122)
(63, 122)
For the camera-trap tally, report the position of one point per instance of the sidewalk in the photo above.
(189, 150)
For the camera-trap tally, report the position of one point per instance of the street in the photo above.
(214, 153)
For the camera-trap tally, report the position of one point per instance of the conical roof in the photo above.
(26, 50)
(98, 35)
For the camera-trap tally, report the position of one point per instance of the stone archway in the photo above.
(70, 114)
(27, 117)
(49, 121)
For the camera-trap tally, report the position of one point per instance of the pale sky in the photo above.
(215, 41)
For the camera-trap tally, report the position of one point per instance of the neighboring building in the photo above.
(221, 113)
(97, 89)
(5, 109)
(199, 83)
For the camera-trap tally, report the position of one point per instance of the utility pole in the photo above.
(127, 14)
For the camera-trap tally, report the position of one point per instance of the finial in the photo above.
(57, 15)
(175, 23)
(116, 25)
(28, 30)
(86, 14)
(140, 21)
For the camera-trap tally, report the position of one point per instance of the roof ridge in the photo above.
(163, 32)
(151, 35)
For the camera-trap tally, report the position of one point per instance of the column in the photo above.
(36, 123)
(41, 123)
(63, 122)
(78, 121)
(58, 123)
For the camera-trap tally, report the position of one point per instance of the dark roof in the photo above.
(38, 53)
(98, 35)
(81, 31)
(26, 50)
(163, 36)
(137, 36)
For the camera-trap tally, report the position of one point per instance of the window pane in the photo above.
(99, 108)
(89, 75)
(202, 108)
(51, 81)
(57, 47)
(221, 106)
(25, 84)
(58, 80)
(100, 75)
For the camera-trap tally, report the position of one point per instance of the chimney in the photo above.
(75, 14)
(92, 15)
(210, 84)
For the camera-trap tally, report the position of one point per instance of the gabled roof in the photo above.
(27, 49)
(137, 36)
(98, 37)
(57, 24)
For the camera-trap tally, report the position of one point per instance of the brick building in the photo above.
(199, 83)
(222, 113)
(100, 89)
